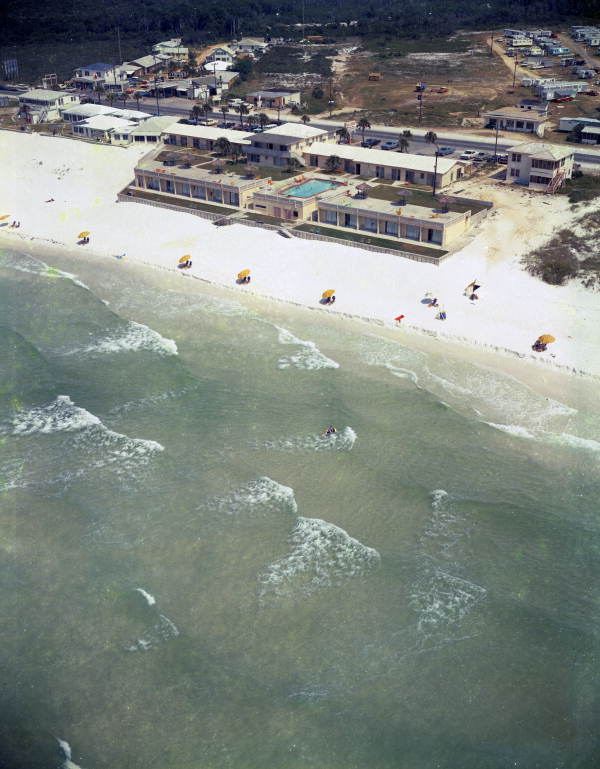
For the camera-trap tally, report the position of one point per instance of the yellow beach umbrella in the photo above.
(243, 274)
(328, 294)
(184, 258)
(83, 234)
(6, 216)
(546, 339)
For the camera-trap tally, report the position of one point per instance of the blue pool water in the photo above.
(310, 188)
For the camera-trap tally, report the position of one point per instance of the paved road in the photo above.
(589, 158)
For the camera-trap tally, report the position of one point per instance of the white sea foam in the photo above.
(160, 632)
(65, 749)
(517, 430)
(136, 336)
(398, 360)
(256, 498)
(89, 433)
(27, 263)
(150, 599)
(308, 357)
(60, 415)
(440, 598)
(342, 440)
(321, 555)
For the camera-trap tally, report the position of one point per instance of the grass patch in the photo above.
(288, 59)
(424, 199)
(263, 171)
(389, 46)
(582, 188)
(172, 200)
(262, 218)
(371, 241)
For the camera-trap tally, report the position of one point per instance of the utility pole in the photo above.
(420, 100)
(491, 43)
(515, 70)
(119, 45)
(435, 170)
(331, 101)
(496, 143)
(156, 87)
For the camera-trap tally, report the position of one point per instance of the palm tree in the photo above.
(242, 109)
(305, 119)
(123, 97)
(278, 108)
(407, 133)
(333, 163)
(136, 96)
(403, 144)
(206, 109)
(344, 134)
(293, 164)
(263, 120)
(224, 111)
(223, 145)
(110, 97)
(363, 124)
(431, 138)
(99, 89)
(196, 112)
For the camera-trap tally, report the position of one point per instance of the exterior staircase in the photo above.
(557, 181)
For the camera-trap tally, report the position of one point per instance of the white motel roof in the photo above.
(43, 95)
(381, 157)
(542, 150)
(88, 110)
(295, 131)
(210, 133)
(106, 123)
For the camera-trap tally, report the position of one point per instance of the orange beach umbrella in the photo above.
(243, 274)
(83, 234)
(184, 258)
(546, 339)
(2, 218)
(328, 294)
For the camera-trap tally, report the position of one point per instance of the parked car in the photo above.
(446, 151)
(440, 90)
(480, 157)
(502, 157)
(591, 93)
(370, 143)
(560, 99)
(390, 145)
(468, 155)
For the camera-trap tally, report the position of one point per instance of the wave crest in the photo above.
(343, 440)
(135, 337)
(308, 357)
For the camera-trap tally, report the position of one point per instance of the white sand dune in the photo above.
(513, 309)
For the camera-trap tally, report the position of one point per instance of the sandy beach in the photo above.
(58, 187)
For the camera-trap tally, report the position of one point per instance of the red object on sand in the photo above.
(399, 317)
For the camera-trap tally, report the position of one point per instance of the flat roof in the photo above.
(106, 122)
(542, 150)
(100, 66)
(591, 129)
(387, 207)
(42, 93)
(523, 114)
(381, 157)
(211, 133)
(295, 131)
(201, 172)
(274, 92)
(155, 125)
(89, 110)
(145, 61)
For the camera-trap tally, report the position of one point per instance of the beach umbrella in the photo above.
(185, 258)
(6, 216)
(328, 294)
(546, 339)
(83, 234)
(243, 274)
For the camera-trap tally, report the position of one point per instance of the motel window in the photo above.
(539, 180)
(199, 192)
(515, 172)
(329, 217)
(314, 160)
(529, 126)
(269, 146)
(380, 172)
(519, 124)
(138, 138)
(390, 228)
(516, 157)
(254, 158)
(282, 148)
(139, 180)
(548, 165)
(185, 189)
(413, 232)
(152, 184)
(196, 143)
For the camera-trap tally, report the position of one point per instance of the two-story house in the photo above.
(279, 146)
(539, 166)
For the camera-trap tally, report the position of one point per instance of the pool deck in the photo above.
(329, 186)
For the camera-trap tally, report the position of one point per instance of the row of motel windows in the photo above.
(369, 224)
(201, 192)
(352, 167)
(548, 165)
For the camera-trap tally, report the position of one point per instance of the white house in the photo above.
(275, 98)
(569, 123)
(515, 119)
(591, 135)
(277, 146)
(203, 137)
(85, 111)
(172, 48)
(111, 77)
(101, 127)
(250, 45)
(222, 53)
(539, 166)
(148, 132)
(40, 105)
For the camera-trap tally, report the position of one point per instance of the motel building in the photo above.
(514, 119)
(203, 137)
(539, 166)
(40, 105)
(397, 166)
(182, 174)
(277, 146)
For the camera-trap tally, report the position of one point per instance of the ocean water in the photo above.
(194, 576)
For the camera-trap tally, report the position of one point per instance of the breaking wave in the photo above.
(148, 597)
(308, 357)
(161, 631)
(321, 555)
(343, 440)
(561, 439)
(27, 263)
(256, 498)
(136, 336)
(65, 749)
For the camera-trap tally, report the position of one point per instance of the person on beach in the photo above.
(442, 314)
(399, 318)
(471, 287)
(434, 302)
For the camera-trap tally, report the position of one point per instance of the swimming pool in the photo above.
(309, 188)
